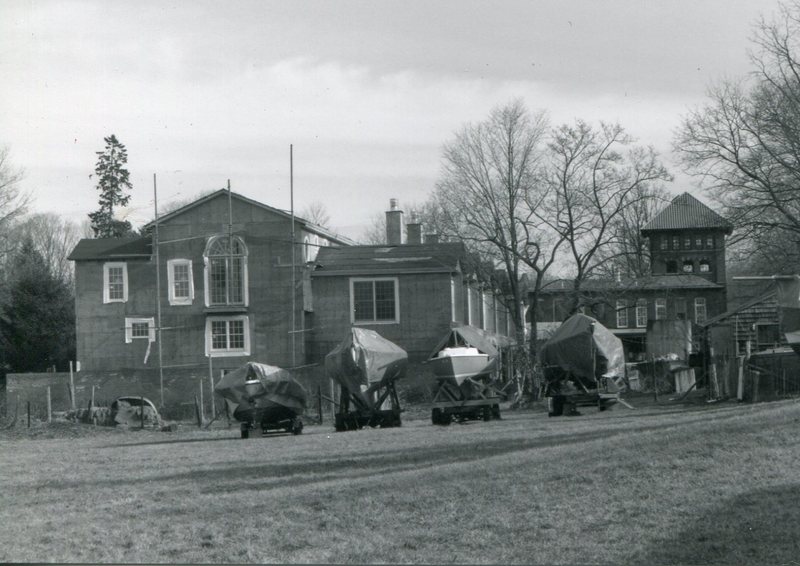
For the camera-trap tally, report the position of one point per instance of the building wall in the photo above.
(714, 254)
(100, 327)
(425, 314)
(552, 306)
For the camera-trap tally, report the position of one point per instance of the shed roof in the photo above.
(684, 212)
(112, 248)
(377, 260)
(649, 283)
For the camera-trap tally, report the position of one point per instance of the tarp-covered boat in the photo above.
(465, 352)
(582, 360)
(465, 363)
(264, 395)
(366, 365)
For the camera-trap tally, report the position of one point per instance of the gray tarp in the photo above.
(364, 360)
(278, 387)
(584, 348)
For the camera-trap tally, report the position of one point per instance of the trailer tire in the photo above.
(297, 427)
(436, 416)
(556, 406)
(245, 431)
(487, 414)
(496, 412)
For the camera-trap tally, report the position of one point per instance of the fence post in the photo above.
(333, 400)
(71, 387)
(49, 406)
(319, 402)
(197, 412)
(202, 404)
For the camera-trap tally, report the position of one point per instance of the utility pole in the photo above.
(158, 294)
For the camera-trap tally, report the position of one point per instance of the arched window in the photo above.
(688, 266)
(226, 271)
(705, 266)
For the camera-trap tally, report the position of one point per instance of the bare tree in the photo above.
(13, 204)
(630, 257)
(487, 192)
(744, 143)
(594, 175)
(316, 213)
(53, 237)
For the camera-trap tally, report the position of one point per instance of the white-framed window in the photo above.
(180, 281)
(622, 314)
(705, 266)
(687, 243)
(641, 313)
(688, 266)
(664, 242)
(140, 329)
(374, 300)
(698, 242)
(452, 299)
(710, 242)
(227, 336)
(699, 310)
(676, 243)
(225, 272)
(115, 282)
(661, 309)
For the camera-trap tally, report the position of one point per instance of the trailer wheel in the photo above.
(487, 414)
(245, 430)
(556, 406)
(297, 426)
(436, 416)
(496, 411)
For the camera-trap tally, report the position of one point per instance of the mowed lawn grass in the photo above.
(716, 484)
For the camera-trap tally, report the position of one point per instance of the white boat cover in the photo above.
(469, 336)
(279, 387)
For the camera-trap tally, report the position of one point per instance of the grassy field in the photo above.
(690, 484)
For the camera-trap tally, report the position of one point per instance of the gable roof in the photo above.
(336, 238)
(685, 211)
(383, 260)
(112, 248)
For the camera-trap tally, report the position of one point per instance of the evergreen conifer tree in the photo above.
(112, 182)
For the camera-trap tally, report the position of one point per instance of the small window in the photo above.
(661, 309)
(710, 242)
(687, 242)
(115, 282)
(700, 310)
(180, 281)
(705, 266)
(688, 266)
(767, 336)
(672, 266)
(676, 243)
(374, 300)
(140, 328)
(227, 336)
(698, 242)
(622, 314)
(641, 313)
(664, 242)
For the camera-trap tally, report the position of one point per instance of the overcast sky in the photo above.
(202, 92)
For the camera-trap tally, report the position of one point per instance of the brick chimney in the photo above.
(394, 224)
(414, 232)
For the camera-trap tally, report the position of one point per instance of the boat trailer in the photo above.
(474, 399)
(355, 413)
